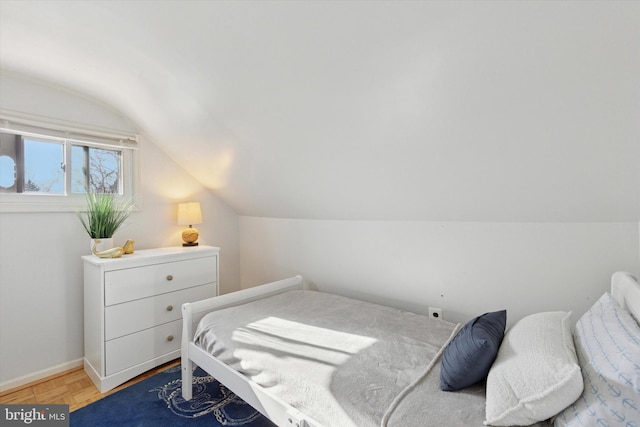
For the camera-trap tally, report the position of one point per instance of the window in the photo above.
(51, 169)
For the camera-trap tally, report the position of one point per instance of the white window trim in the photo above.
(54, 129)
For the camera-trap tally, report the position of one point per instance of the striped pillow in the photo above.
(607, 342)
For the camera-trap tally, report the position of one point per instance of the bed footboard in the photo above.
(270, 406)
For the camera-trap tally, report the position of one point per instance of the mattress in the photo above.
(341, 361)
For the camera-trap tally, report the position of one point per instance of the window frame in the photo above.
(70, 134)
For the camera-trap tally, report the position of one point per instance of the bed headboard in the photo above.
(626, 291)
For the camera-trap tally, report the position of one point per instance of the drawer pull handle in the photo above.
(169, 307)
(170, 338)
(169, 277)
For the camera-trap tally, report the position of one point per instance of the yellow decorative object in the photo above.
(109, 253)
(190, 235)
(128, 246)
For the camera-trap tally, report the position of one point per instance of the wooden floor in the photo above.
(73, 388)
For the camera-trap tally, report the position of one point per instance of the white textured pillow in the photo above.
(536, 373)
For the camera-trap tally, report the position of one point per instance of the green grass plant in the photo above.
(104, 215)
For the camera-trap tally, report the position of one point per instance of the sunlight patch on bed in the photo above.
(286, 338)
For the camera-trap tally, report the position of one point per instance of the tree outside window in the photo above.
(97, 169)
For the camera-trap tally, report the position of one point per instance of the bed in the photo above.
(306, 358)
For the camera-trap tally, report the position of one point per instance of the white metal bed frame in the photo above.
(624, 288)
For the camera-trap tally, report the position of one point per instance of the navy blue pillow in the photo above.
(470, 354)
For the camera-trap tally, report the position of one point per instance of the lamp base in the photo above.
(190, 236)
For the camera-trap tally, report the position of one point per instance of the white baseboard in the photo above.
(8, 385)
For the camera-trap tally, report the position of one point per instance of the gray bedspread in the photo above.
(428, 406)
(342, 361)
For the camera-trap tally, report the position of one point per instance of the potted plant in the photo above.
(103, 217)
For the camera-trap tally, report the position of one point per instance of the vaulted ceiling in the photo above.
(381, 110)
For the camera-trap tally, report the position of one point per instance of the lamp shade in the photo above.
(189, 213)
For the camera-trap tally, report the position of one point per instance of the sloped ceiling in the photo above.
(381, 110)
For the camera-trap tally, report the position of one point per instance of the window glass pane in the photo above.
(43, 167)
(95, 168)
(80, 165)
(7, 172)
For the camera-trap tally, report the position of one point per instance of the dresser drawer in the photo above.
(130, 350)
(129, 317)
(141, 282)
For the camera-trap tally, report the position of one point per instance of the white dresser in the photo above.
(132, 308)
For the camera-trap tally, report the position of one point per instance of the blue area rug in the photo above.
(157, 402)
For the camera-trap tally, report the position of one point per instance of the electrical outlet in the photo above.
(435, 313)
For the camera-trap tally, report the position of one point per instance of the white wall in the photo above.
(464, 268)
(41, 288)
(504, 111)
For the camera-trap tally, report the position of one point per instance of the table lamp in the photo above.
(189, 213)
